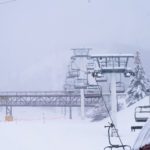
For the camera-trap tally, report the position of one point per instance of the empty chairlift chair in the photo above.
(99, 77)
(69, 88)
(142, 113)
(80, 83)
(73, 73)
(92, 89)
(120, 87)
(90, 66)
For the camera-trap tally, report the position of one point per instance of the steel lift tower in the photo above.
(80, 56)
(113, 64)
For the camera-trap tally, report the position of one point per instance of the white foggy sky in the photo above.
(36, 37)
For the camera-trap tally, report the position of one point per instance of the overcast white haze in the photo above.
(36, 37)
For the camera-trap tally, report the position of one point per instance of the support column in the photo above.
(113, 102)
(82, 104)
(65, 111)
(70, 112)
(8, 116)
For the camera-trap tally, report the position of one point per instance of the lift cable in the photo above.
(100, 90)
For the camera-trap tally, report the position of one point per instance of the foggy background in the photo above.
(36, 37)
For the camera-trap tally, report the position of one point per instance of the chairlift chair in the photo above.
(73, 66)
(142, 113)
(90, 65)
(68, 88)
(73, 74)
(99, 77)
(92, 89)
(120, 87)
(81, 52)
(114, 146)
(80, 83)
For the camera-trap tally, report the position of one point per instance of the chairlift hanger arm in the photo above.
(115, 63)
(111, 146)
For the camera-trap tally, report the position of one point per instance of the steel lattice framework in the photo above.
(47, 99)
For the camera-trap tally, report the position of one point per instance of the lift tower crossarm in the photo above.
(109, 63)
(113, 64)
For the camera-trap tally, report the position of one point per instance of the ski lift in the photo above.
(111, 146)
(99, 77)
(81, 52)
(142, 113)
(73, 74)
(120, 87)
(90, 65)
(74, 66)
(69, 84)
(92, 89)
(128, 73)
(68, 88)
(80, 83)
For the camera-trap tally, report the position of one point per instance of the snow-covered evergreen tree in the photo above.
(139, 84)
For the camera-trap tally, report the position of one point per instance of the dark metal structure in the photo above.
(113, 64)
(47, 99)
(114, 146)
(117, 63)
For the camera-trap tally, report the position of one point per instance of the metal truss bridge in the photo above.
(47, 99)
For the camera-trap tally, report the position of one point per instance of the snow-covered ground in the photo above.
(46, 129)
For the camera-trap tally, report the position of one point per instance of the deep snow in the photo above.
(48, 129)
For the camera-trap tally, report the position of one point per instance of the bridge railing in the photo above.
(52, 93)
(29, 93)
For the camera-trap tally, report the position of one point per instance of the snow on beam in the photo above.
(113, 55)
